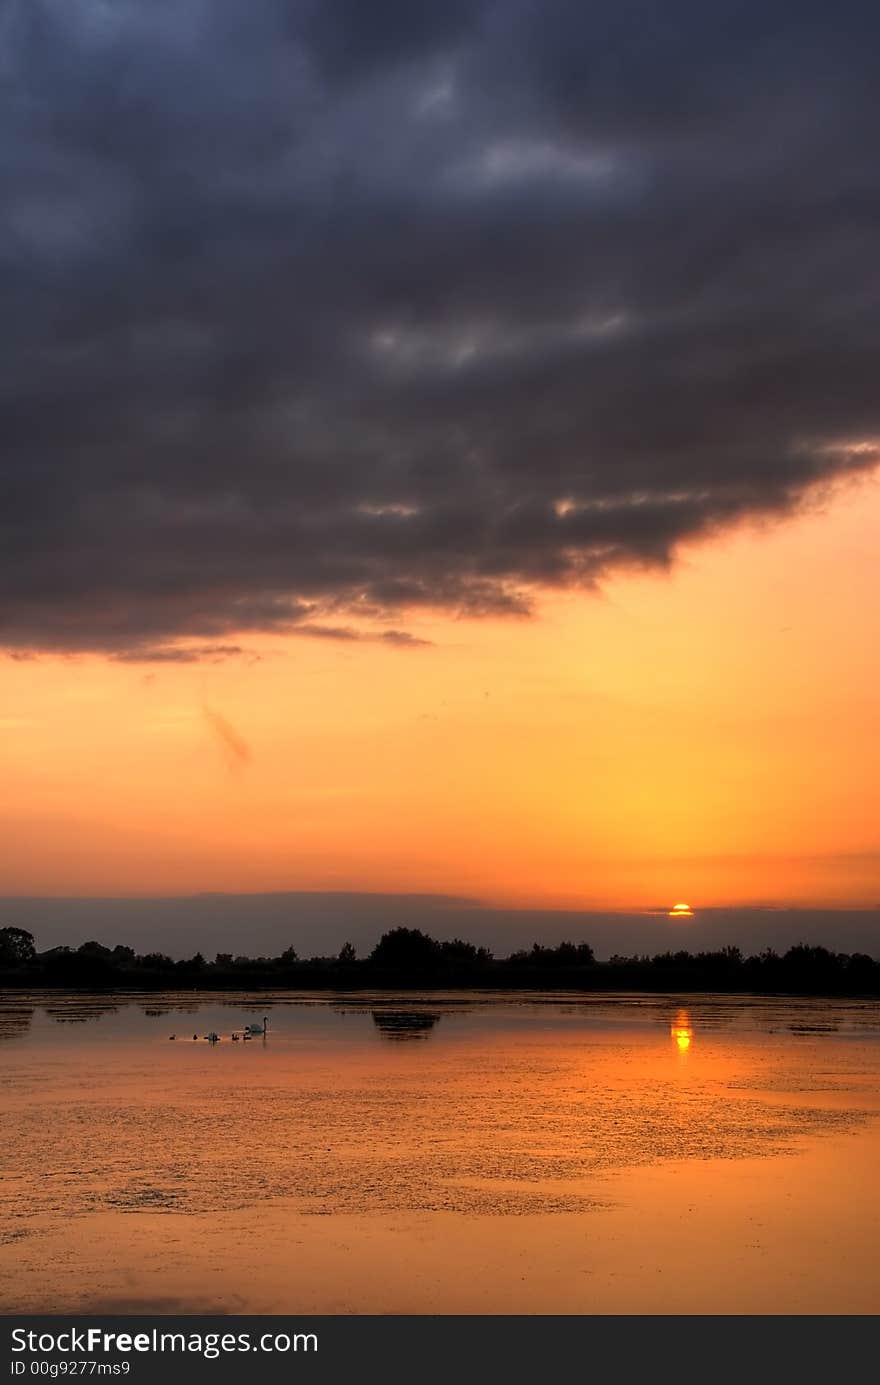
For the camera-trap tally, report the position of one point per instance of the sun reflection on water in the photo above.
(681, 1031)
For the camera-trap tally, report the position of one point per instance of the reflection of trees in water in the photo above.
(79, 1013)
(169, 1008)
(404, 1024)
(16, 1021)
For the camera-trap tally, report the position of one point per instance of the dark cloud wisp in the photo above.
(309, 321)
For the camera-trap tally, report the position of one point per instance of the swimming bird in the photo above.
(254, 1029)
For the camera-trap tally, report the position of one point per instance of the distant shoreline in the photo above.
(408, 959)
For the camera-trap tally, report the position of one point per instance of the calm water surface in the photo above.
(440, 1153)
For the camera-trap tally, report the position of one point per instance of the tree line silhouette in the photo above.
(407, 957)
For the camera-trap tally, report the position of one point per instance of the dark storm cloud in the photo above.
(315, 314)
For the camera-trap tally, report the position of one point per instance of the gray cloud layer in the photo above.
(318, 924)
(316, 313)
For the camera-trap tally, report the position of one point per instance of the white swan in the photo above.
(252, 1030)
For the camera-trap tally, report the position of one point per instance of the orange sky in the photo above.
(710, 735)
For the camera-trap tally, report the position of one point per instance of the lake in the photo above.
(440, 1153)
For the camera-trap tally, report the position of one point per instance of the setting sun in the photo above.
(681, 911)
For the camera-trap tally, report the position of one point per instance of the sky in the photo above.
(438, 454)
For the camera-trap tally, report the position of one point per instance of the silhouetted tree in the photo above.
(815, 958)
(405, 947)
(347, 954)
(455, 950)
(155, 961)
(860, 964)
(94, 950)
(458, 951)
(16, 947)
(565, 955)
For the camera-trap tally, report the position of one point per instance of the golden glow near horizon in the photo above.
(681, 911)
(715, 725)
